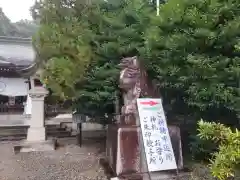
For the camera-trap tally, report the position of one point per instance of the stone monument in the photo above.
(36, 136)
(124, 147)
(36, 131)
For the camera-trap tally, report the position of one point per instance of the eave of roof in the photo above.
(18, 54)
(18, 51)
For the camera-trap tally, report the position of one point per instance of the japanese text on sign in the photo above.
(156, 139)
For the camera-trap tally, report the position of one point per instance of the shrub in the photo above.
(226, 160)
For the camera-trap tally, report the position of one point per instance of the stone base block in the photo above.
(123, 150)
(36, 134)
(26, 146)
(159, 176)
(170, 176)
(115, 178)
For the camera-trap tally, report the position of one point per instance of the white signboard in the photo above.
(156, 139)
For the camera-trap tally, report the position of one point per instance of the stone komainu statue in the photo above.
(123, 147)
(135, 83)
(130, 76)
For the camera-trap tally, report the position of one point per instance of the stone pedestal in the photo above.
(36, 131)
(36, 136)
(123, 151)
(126, 156)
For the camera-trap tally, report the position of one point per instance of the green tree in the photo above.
(62, 45)
(227, 159)
(192, 50)
(108, 30)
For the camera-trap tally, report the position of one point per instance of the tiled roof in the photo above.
(16, 52)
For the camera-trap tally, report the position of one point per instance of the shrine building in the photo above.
(16, 60)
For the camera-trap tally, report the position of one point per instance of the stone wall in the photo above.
(89, 127)
(11, 117)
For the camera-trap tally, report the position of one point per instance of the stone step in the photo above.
(13, 130)
(13, 127)
(16, 133)
(5, 134)
(12, 138)
(26, 129)
(59, 133)
(22, 137)
(18, 138)
(52, 126)
(24, 132)
(48, 126)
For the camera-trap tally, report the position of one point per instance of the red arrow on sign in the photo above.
(151, 103)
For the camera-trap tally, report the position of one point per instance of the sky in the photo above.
(16, 10)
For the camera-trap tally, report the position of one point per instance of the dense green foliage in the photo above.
(109, 31)
(22, 28)
(227, 158)
(191, 49)
(118, 30)
(63, 43)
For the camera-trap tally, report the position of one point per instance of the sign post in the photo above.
(156, 139)
(79, 119)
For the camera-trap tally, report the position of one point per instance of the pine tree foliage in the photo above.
(192, 49)
(118, 28)
(81, 45)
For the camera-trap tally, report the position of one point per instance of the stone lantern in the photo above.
(36, 136)
(37, 93)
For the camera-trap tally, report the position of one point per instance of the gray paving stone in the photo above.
(69, 162)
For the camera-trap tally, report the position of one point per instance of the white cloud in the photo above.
(16, 10)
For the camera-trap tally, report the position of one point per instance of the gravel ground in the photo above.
(68, 162)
